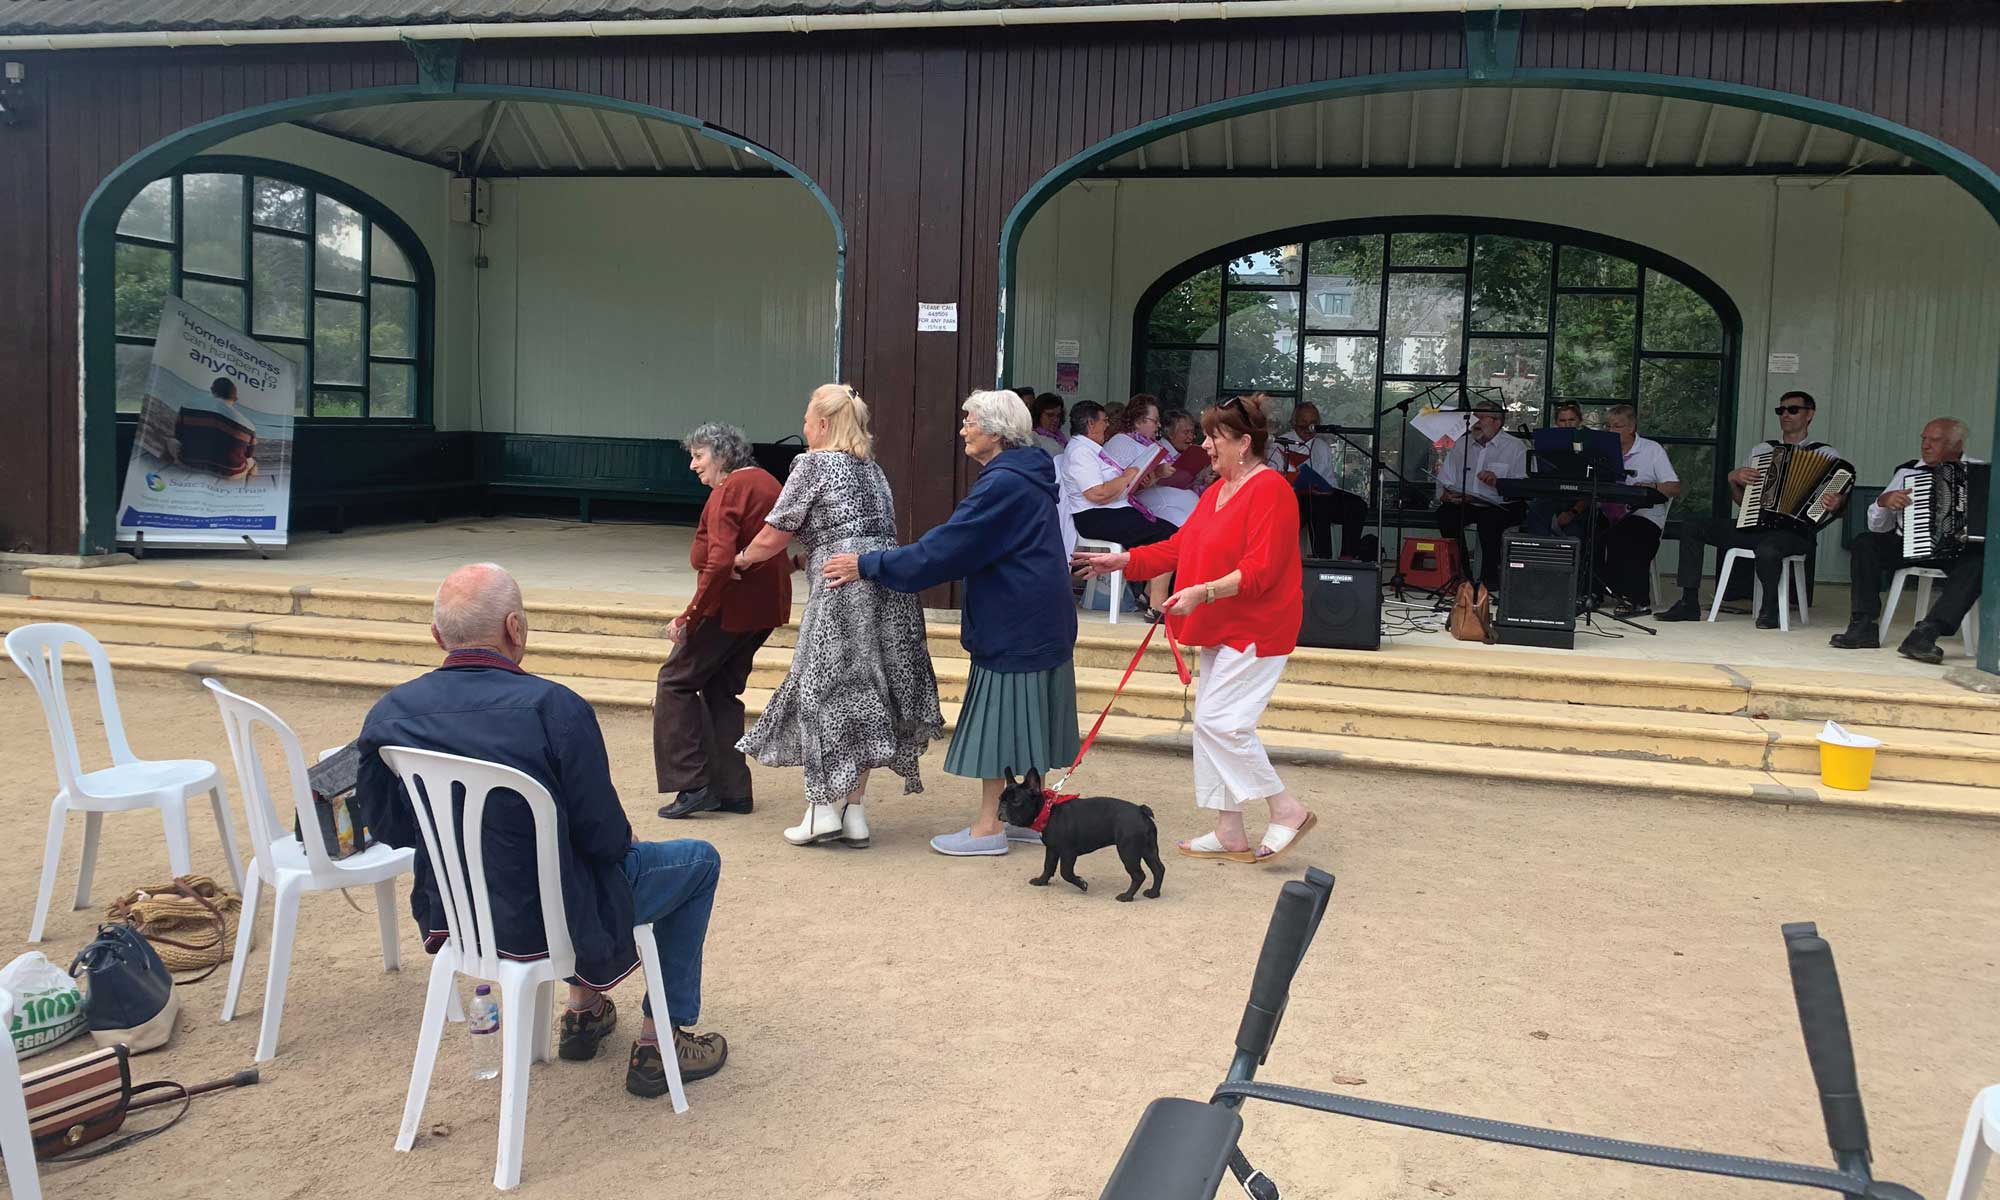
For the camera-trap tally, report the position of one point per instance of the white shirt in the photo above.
(1288, 450)
(1647, 465)
(1083, 466)
(1890, 520)
(1506, 456)
(1167, 503)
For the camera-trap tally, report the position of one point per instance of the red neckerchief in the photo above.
(481, 658)
(1049, 802)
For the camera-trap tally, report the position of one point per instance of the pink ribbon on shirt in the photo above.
(1130, 499)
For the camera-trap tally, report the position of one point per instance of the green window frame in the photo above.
(318, 271)
(1357, 315)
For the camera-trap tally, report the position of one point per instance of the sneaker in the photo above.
(963, 845)
(699, 1055)
(1024, 835)
(581, 1031)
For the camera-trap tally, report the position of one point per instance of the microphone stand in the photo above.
(1589, 610)
(1396, 581)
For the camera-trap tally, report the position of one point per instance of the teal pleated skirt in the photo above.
(1015, 721)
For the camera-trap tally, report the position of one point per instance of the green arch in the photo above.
(1961, 168)
(118, 189)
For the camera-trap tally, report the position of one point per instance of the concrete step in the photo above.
(1419, 721)
(1572, 679)
(269, 676)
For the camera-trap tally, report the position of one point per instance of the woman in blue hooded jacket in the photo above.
(1019, 620)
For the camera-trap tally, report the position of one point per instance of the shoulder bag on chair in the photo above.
(1471, 617)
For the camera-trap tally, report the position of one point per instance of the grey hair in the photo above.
(1955, 429)
(1623, 410)
(726, 444)
(473, 604)
(1003, 415)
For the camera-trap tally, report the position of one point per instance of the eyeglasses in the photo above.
(1235, 402)
(1790, 410)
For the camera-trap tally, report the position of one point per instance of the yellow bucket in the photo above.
(1846, 767)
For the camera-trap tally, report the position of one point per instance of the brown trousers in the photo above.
(698, 712)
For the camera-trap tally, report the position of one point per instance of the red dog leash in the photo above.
(1050, 795)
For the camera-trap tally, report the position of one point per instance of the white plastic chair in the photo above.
(1982, 1142)
(527, 989)
(292, 866)
(1968, 629)
(128, 783)
(1114, 581)
(17, 1144)
(1791, 580)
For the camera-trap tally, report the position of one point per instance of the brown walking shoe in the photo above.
(581, 1031)
(699, 1055)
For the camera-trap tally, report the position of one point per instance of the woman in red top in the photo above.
(1237, 559)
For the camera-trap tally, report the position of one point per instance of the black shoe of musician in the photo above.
(702, 800)
(1922, 644)
(1768, 619)
(1860, 635)
(1687, 608)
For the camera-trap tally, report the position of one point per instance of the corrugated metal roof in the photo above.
(18, 17)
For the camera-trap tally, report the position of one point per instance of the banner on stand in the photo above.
(212, 462)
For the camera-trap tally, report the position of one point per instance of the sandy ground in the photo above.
(905, 1025)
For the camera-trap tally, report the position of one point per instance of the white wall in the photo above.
(641, 307)
(1882, 286)
(417, 193)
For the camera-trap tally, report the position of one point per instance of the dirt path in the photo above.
(905, 1025)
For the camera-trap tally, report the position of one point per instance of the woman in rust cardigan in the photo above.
(1237, 561)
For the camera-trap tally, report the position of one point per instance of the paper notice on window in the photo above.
(937, 318)
(1784, 364)
(1069, 350)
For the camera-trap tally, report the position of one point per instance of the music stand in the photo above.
(1589, 456)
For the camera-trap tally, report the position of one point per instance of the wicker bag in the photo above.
(190, 921)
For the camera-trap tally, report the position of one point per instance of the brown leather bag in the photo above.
(1471, 617)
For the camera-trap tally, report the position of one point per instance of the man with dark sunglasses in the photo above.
(1795, 411)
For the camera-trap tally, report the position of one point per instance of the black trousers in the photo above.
(1320, 511)
(1122, 525)
(1625, 550)
(1492, 521)
(1773, 547)
(698, 712)
(1875, 556)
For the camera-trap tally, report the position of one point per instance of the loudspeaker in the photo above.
(1343, 604)
(1537, 592)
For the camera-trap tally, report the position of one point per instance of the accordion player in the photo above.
(1947, 511)
(1795, 488)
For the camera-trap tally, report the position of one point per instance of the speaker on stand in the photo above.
(1537, 592)
(1343, 604)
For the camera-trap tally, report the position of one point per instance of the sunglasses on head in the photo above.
(1790, 410)
(1235, 402)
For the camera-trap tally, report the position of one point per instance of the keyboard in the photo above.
(1542, 487)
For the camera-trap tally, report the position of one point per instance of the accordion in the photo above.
(1794, 489)
(214, 442)
(1947, 512)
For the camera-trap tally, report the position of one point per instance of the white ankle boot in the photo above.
(854, 825)
(822, 823)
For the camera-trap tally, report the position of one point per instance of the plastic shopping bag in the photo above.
(48, 1007)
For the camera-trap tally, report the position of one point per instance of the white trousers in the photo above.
(1230, 766)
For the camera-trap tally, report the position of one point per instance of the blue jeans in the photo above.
(673, 886)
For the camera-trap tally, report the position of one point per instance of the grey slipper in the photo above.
(963, 845)
(1024, 835)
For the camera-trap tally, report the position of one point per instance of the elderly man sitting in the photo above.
(481, 704)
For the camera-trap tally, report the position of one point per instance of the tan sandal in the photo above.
(1280, 838)
(1210, 846)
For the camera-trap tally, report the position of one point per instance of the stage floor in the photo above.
(625, 563)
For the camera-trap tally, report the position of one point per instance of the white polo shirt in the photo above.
(1506, 456)
(1288, 451)
(1890, 520)
(1647, 465)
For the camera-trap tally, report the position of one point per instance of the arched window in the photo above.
(1357, 316)
(317, 272)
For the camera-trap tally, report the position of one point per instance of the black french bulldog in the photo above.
(1082, 826)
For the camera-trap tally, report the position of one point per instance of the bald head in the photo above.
(479, 608)
(1943, 440)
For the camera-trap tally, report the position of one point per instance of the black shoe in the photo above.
(1860, 635)
(702, 800)
(1922, 645)
(1629, 610)
(1767, 620)
(1687, 608)
(581, 1031)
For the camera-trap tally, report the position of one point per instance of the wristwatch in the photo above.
(1208, 593)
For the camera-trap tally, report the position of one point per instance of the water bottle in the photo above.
(484, 1019)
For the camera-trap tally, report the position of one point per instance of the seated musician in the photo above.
(1548, 517)
(1300, 448)
(1879, 552)
(1795, 412)
(1630, 537)
(1468, 488)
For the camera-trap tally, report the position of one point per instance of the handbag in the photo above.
(74, 1105)
(342, 826)
(129, 997)
(1471, 617)
(189, 920)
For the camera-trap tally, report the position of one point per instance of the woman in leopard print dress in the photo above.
(861, 693)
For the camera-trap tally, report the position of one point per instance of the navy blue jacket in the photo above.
(494, 711)
(1004, 541)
